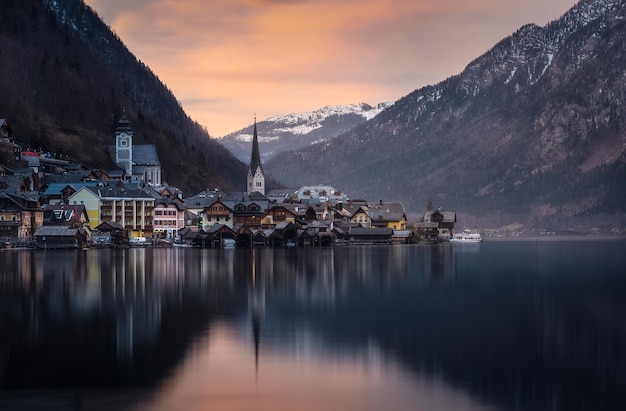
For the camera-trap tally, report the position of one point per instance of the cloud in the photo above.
(226, 59)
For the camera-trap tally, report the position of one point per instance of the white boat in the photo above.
(466, 237)
(228, 243)
(179, 243)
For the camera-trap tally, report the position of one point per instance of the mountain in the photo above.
(66, 79)
(533, 131)
(298, 130)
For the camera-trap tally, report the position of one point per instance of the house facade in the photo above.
(217, 213)
(249, 214)
(387, 215)
(133, 209)
(68, 215)
(361, 216)
(20, 216)
(169, 218)
(90, 199)
(444, 219)
(277, 214)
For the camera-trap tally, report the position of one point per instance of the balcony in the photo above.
(10, 223)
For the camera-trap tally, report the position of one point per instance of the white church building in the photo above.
(139, 162)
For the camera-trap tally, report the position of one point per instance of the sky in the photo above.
(228, 61)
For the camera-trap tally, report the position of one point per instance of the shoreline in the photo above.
(590, 237)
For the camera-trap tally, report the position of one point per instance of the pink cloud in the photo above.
(227, 59)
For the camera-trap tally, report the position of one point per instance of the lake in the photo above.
(502, 325)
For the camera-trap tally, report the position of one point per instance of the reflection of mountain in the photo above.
(513, 336)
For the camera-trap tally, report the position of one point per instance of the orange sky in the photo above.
(226, 60)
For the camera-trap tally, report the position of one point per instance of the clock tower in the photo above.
(124, 145)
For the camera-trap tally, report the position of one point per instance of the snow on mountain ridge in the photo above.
(524, 57)
(296, 130)
(363, 109)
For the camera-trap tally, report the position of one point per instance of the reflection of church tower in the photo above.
(124, 145)
(256, 303)
(256, 179)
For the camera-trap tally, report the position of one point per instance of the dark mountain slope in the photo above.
(65, 80)
(534, 130)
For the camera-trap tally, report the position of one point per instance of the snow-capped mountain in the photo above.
(297, 130)
(534, 130)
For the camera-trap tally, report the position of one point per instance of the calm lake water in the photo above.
(502, 325)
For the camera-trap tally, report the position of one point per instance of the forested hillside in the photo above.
(66, 79)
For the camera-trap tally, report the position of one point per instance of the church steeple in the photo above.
(256, 178)
(255, 157)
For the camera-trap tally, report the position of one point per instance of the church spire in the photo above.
(255, 157)
(256, 178)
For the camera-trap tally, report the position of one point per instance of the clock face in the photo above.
(123, 135)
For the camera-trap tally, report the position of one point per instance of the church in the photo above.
(139, 162)
(256, 178)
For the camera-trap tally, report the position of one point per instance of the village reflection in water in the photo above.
(444, 326)
(130, 286)
(111, 318)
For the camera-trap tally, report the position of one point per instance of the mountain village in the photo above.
(54, 203)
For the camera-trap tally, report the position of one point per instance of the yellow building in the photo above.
(361, 216)
(133, 209)
(91, 201)
(388, 215)
(278, 214)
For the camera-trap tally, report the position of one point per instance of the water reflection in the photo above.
(513, 326)
(222, 376)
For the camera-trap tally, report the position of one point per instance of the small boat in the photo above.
(466, 237)
(228, 243)
(179, 243)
